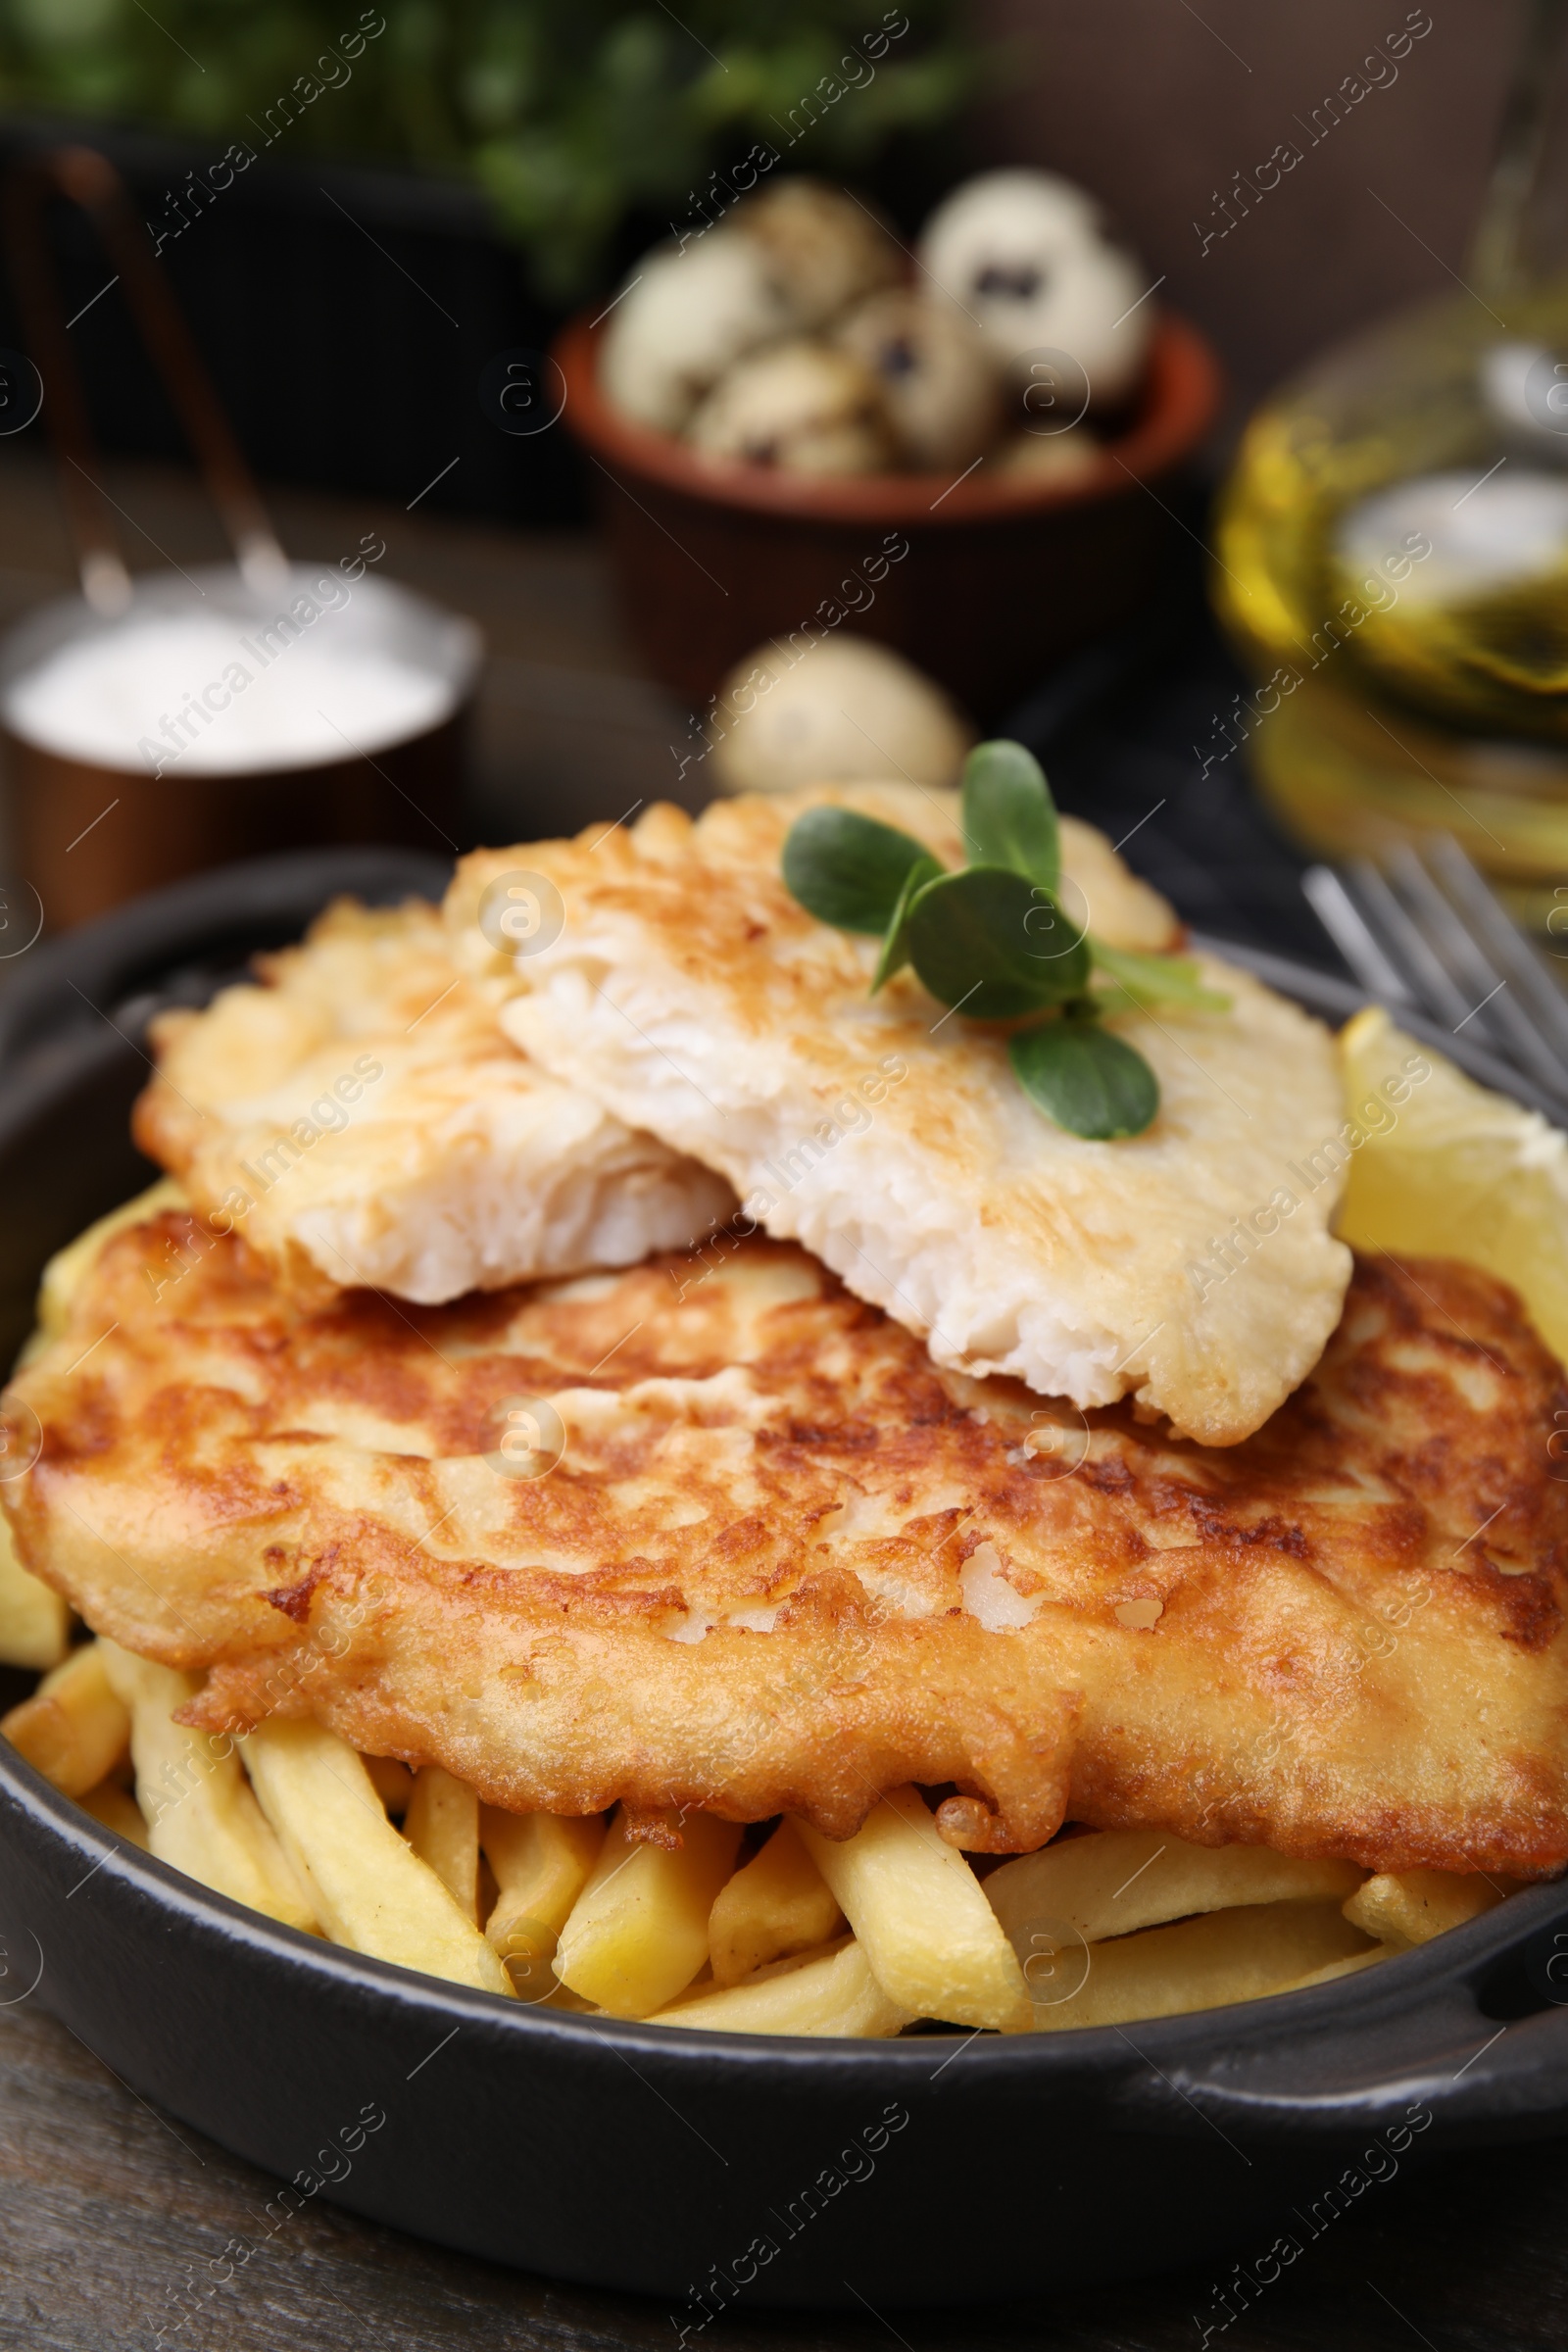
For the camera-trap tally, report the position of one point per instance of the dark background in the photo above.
(348, 312)
(1155, 106)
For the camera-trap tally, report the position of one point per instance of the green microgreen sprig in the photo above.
(993, 941)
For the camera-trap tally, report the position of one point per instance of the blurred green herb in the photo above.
(1155, 980)
(991, 944)
(896, 948)
(1085, 1080)
(1009, 819)
(849, 869)
(994, 942)
(575, 116)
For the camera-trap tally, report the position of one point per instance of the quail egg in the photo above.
(686, 317)
(823, 249)
(941, 386)
(1025, 253)
(840, 710)
(1064, 456)
(799, 404)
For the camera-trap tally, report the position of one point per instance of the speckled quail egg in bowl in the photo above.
(798, 428)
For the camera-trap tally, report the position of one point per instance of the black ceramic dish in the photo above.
(700, 2168)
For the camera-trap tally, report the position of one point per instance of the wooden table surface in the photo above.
(112, 2212)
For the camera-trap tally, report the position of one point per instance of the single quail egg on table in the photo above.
(799, 405)
(940, 385)
(687, 315)
(1026, 255)
(843, 709)
(823, 249)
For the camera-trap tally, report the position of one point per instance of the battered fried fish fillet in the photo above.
(693, 995)
(785, 1562)
(360, 1118)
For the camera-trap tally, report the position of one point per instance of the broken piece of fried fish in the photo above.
(715, 1532)
(693, 995)
(360, 1118)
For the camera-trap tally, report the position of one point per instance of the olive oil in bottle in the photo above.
(1393, 544)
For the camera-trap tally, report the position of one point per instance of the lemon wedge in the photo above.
(1449, 1169)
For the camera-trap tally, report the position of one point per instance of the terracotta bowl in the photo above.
(999, 577)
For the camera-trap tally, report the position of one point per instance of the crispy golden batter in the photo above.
(787, 1562)
(362, 1118)
(693, 997)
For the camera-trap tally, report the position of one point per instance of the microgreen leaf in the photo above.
(993, 941)
(847, 869)
(1089, 1082)
(1157, 979)
(896, 946)
(1010, 817)
(991, 944)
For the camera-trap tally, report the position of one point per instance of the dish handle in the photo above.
(1470, 2031)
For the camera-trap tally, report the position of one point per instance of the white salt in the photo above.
(233, 689)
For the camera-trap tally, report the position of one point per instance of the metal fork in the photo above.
(1421, 929)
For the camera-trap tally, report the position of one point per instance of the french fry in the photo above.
(393, 1782)
(830, 1994)
(75, 1728)
(638, 1933)
(35, 1620)
(117, 1809)
(200, 1813)
(1407, 1907)
(442, 1825)
(542, 1862)
(1114, 1882)
(777, 1905)
(1203, 1963)
(62, 1275)
(934, 1944)
(369, 1888)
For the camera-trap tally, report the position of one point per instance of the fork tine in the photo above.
(1505, 944)
(1486, 1010)
(1460, 956)
(1399, 932)
(1502, 1016)
(1409, 947)
(1345, 924)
